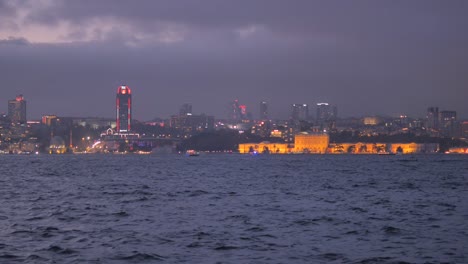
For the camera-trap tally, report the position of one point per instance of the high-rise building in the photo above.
(433, 118)
(234, 111)
(185, 109)
(238, 112)
(243, 111)
(124, 109)
(263, 111)
(445, 116)
(448, 123)
(326, 116)
(17, 109)
(300, 112)
(326, 112)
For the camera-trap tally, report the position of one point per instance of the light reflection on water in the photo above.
(234, 209)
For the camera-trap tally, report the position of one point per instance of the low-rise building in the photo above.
(311, 143)
(410, 148)
(303, 143)
(357, 148)
(459, 150)
(265, 147)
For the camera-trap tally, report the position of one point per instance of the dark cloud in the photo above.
(14, 41)
(7, 8)
(368, 57)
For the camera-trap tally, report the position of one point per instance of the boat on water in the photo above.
(192, 153)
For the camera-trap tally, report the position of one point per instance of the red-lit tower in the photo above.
(124, 109)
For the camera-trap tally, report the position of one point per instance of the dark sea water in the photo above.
(233, 209)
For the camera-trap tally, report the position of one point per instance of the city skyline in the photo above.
(367, 58)
(245, 111)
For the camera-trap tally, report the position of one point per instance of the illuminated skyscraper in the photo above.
(243, 111)
(300, 112)
(124, 109)
(17, 109)
(263, 111)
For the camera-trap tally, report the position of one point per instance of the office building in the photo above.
(447, 116)
(263, 111)
(17, 109)
(234, 111)
(326, 112)
(326, 116)
(448, 124)
(432, 118)
(185, 109)
(238, 112)
(300, 112)
(190, 124)
(124, 109)
(243, 112)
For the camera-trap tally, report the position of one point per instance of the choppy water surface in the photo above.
(233, 209)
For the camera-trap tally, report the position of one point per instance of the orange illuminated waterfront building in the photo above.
(303, 143)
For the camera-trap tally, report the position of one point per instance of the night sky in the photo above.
(366, 57)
